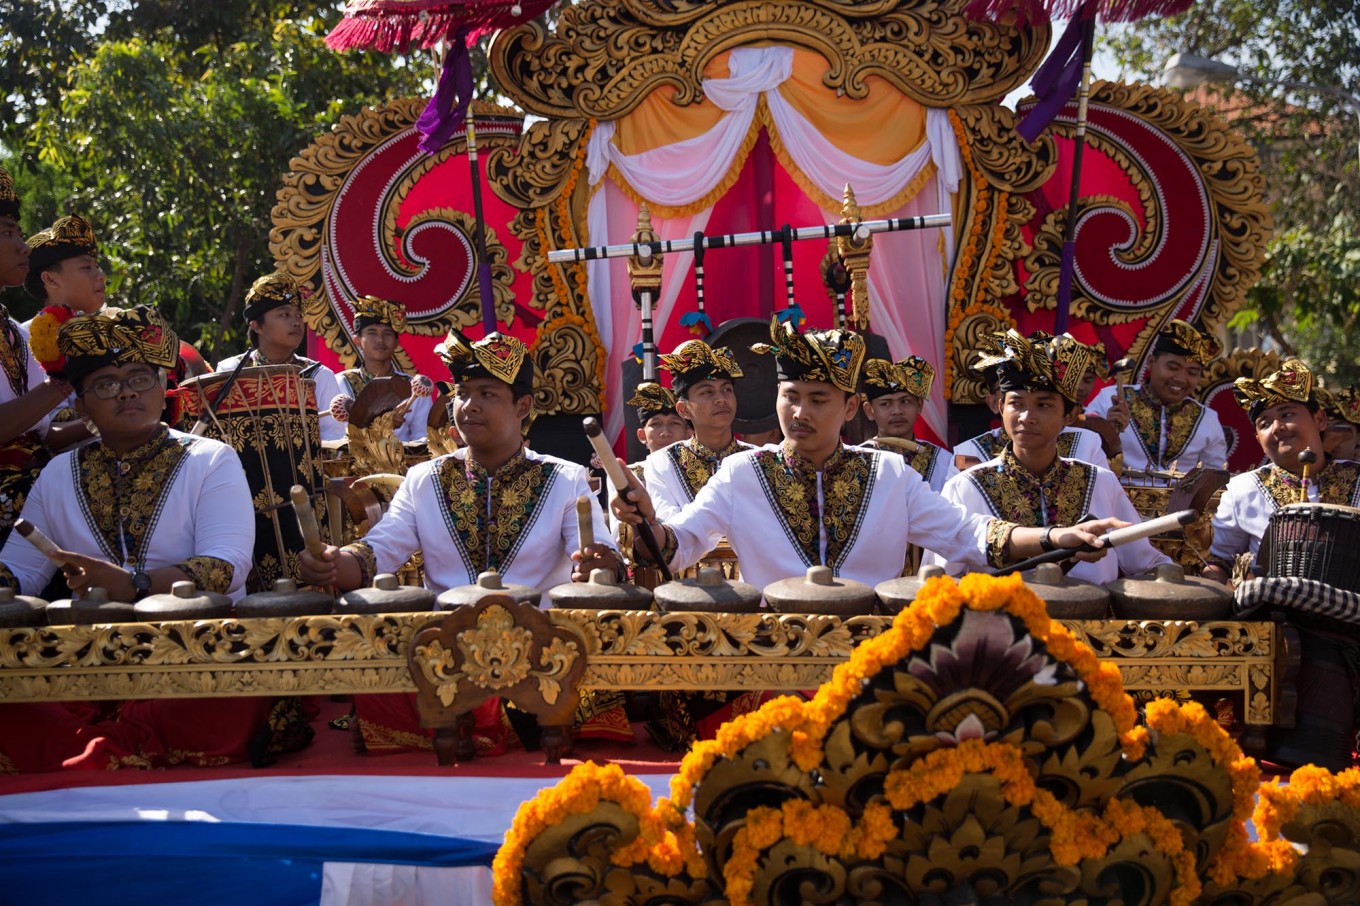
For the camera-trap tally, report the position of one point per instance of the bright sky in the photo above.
(1104, 67)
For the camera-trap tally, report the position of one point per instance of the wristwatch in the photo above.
(1046, 539)
(141, 584)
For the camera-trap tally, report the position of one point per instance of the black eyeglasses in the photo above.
(109, 389)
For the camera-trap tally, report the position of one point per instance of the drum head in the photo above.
(757, 386)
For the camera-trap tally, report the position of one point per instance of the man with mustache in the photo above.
(1288, 419)
(274, 322)
(1164, 425)
(701, 378)
(813, 500)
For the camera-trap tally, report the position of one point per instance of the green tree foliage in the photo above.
(1308, 299)
(170, 125)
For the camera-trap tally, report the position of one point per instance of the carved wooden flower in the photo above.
(496, 652)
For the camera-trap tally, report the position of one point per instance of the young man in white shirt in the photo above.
(378, 326)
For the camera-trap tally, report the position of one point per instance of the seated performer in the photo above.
(378, 326)
(813, 500)
(1284, 411)
(274, 322)
(490, 505)
(701, 377)
(27, 395)
(893, 397)
(1166, 427)
(658, 417)
(1341, 440)
(138, 510)
(1073, 443)
(1029, 483)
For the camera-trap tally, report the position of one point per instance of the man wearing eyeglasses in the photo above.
(139, 509)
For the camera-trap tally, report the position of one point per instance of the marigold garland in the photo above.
(42, 338)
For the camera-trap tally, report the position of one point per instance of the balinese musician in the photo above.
(702, 378)
(1029, 483)
(378, 326)
(894, 393)
(813, 500)
(27, 395)
(491, 505)
(1166, 427)
(660, 424)
(1073, 443)
(1284, 410)
(134, 512)
(274, 321)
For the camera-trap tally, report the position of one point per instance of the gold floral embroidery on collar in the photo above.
(490, 516)
(696, 464)
(1147, 411)
(925, 459)
(1337, 484)
(790, 485)
(1061, 496)
(123, 497)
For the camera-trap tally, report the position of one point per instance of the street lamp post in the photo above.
(1186, 70)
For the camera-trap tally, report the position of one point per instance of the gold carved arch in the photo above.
(604, 58)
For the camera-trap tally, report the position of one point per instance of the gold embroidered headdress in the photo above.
(833, 356)
(1055, 364)
(370, 310)
(116, 337)
(651, 400)
(1341, 405)
(1183, 339)
(272, 291)
(9, 197)
(496, 355)
(69, 237)
(1293, 383)
(913, 375)
(694, 361)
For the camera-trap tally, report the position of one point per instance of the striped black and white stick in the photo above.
(648, 339)
(645, 250)
(699, 273)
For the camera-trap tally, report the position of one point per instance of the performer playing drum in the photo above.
(1284, 410)
(378, 325)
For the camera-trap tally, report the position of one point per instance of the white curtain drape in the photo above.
(906, 287)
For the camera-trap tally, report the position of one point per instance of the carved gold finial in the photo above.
(644, 272)
(855, 256)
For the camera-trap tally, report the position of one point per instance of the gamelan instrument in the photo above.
(619, 478)
(708, 592)
(1169, 594)
(602, 592)
(1314, 541)
(1111, 539)
(387, 595)
(20, 610)
(183, 602)
(488, 583)
(268, 415)
(820, 591)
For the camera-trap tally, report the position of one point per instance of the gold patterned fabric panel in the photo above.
(490, 515)
(696, 464)
(13, 354)
(991, 444)
(924, 460)
(790, 486)
(1181, 422)
(209, 573)
(20, 462)
(122, 498)
(1339, 484)
(998, 537)
(1061, 496)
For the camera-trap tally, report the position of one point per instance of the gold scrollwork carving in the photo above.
(567, 363)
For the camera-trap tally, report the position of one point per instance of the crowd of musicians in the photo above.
(92, 455)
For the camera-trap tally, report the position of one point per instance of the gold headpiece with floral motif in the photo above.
(1293, 383)
(496, 355)
(9, 196)
(1055, 364)
(370, 310)
(68, 237)
(913, 375)
(833, 356)
(273, 291)
(1342, 404)
(694, 361)
(651, 400)
(1183, 339)
(117, 337)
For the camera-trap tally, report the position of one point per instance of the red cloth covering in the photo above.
(86, 736)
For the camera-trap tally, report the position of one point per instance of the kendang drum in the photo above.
(269, 418)
(1314, 541)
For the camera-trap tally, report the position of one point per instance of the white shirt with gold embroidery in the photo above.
(203, 510)
(1251, 499)
(1206, 444)
(669, 490)
(896, 508)
(1083, 444)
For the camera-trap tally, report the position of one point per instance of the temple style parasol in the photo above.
(1066, 72)
(401, 25)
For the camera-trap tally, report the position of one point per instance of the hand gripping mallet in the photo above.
(619, 479)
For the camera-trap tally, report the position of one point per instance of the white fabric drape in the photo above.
(906, 288)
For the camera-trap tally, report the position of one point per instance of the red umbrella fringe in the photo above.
(1022, 11)
(399, 25)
